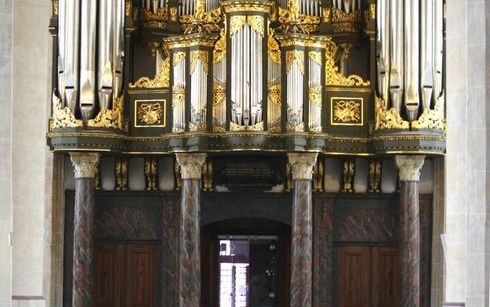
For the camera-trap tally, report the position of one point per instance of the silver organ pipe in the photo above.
(105, 53)
(347, 6)
(219, 108)
(295, 92)
(154, 5)
(118, 48)
(178, 88)
(315, 91)
(211, 5)
(61, 50)
(71, 52)
(415, 74)
(395, 72)
(306, 7)
(87, 58)
(412, 57)
(187, 7)
(246, 85)
(199, 93)
(274, 84)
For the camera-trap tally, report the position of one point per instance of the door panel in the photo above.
(141, 275)
(108, 271)
(353, 276)
(367, 276)
(125, 275)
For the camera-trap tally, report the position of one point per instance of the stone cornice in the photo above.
(191, 164)
(85, 164)
(409, 167)
(302, 165)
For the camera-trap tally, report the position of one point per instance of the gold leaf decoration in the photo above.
(150, 113)
(315, 95)
(297, 55)
(178, 57)
(256, 22)
(62, 116)
(219, 52)
(333, 76)
(162, 79)
(201, 21)
(273, 48)
(199, 55)
(293, 21)
(347, 111)
(388, 118)
(315, 56)
(110, 118)
(432, 118)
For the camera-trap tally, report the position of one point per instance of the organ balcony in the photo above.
(163, 76)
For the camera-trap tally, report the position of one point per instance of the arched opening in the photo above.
(245, 262)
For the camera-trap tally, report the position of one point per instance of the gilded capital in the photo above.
(302, 165)
(409, 167)
(85, 164)
(191, 164)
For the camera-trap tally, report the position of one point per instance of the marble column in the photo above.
(409, 260)
(302, 229)
(85, 165)
(189, 248)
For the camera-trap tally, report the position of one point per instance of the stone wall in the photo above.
(5, 148)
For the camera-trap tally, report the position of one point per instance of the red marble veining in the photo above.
(301, 244)
(170, 250)
(189, 251)
(409, 244)
(83, 243)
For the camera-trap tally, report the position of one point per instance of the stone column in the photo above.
(409, 259)
(85, 165)
(301, 229)
(189, 250)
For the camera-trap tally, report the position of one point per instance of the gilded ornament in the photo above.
(150, 113)
(315, 56)
(256, 23)
(295, 127)
(275, 93)
(233, 6)
(333, 76)
(179, 57)
(55, 7)
(128, 8)
(372, 10)
(315, 95)
(256, 127)
(273, 48)
(201, 21)
(162, 78)
(219, 52)
(348, 178)
(62, 117)
(326, 14)
(201, 56)
(388, 118)
(298, 56)
(432, 118)
(122, 176)
(374, 182)
(293, 21)
(346, 22)
(110, 118)
(173, 13)
(347, 111)
(151, 174)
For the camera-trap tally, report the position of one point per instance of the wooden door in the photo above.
(367, 276)
(125, 275)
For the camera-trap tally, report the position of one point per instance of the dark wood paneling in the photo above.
(384, 276)
(353, 284)
(108, 275)
(141, 268)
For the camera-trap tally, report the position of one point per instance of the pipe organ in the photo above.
(350, 76)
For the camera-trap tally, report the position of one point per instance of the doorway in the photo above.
(245, 263)
(125, 274)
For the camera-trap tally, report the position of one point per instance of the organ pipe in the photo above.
(178, 88)
(411, 32)
(90, 53)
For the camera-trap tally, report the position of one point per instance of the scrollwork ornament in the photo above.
(62, 117)
(110, 118)
(219, 53)
(388, 118)
(162, 79)
(273, 48)
(432, 118)
(298, 56)
(201, 56)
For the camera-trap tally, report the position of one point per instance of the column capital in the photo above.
(302, 165)
(191, 164)
(85, 164)
(409, 167)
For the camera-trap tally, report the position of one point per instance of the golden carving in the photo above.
(173, 13)
(150, 113)
(201, 21)
(162, 79)
(199, 55)
(273, 48)
(315, 56)
(151, 174)
(372, 10)
(255, 22)
(348, 178)
(295, 128)
(55, 7)
(207, 175)
(232, 6)
(374, 182)
(346, 111)
(178, 100)
(315, 95)
(219, 52)
(121, 169)
(275, 93)
(256, 127)
(388, 118)
(110, 118)
(432, 118)
(297, 55)
(346, 22)
(155, 19)
(326, 14)
(333, 76)
(293, 21)
(128, 8)
(62, 117)
(178, 57)
(318, 176)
